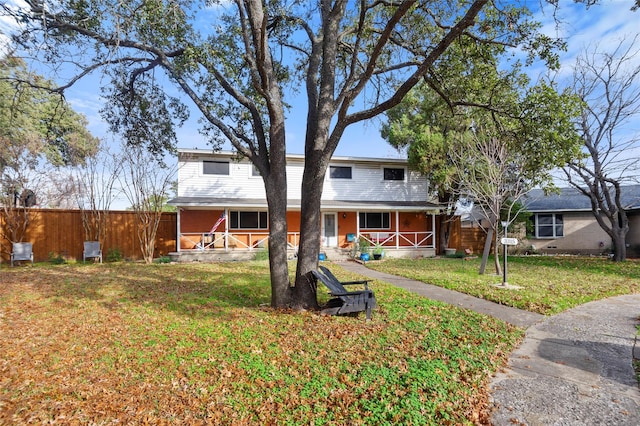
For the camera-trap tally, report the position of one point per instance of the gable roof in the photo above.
(570, 199)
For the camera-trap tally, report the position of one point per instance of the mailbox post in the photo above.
(506, 242)
(505, 224)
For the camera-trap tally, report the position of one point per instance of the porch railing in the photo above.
(250, 241)
(255, 240)
(400, 240)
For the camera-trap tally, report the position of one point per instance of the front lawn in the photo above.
(197, 344)
(550, 284)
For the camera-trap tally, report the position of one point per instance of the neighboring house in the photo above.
(564, 222)
(379, 200)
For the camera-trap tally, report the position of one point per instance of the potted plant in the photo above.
(378, 251)
(364, 247)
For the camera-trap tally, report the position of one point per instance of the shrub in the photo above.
(114, 255)
(56, 259)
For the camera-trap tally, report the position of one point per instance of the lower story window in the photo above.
(375, 220)
(248, 220)
(549, 225)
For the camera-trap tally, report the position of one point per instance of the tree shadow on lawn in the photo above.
(194, 290)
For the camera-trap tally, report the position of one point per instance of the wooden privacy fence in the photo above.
(467, 238)
(60, 233)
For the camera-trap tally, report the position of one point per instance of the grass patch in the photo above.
(174, 343)
(549, 284)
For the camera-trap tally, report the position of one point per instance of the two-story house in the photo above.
(222, 206)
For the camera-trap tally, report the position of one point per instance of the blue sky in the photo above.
(604, 24)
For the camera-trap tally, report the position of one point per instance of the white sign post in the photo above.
(506, 242)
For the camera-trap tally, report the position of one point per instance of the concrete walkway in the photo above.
(574, 368)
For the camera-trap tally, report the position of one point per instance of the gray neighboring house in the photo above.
(564, 222)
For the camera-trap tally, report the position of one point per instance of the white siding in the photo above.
(238, 184)
(367, 183)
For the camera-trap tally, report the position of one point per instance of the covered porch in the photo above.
(212, 229)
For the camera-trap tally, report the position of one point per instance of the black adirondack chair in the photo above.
(346, 302)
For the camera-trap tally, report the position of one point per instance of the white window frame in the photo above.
(215, 174)
(240, 212)
(553, 225)
(365, 224)
(404, 173)
(342, 166)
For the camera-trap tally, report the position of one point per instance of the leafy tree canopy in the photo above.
(36, 121)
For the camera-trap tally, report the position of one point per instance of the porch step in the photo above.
(336, 254)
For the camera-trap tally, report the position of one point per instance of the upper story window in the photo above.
(393, 173)
(254, 171)
(248, 220)
(549, 225)
(340, 172)
(215, 168)
(375, 220)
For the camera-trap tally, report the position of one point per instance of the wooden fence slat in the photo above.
(56, 232)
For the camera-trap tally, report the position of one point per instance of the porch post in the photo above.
(397, 238)
(358, 225)
(226, 230)
(433, 230)
(178, 230)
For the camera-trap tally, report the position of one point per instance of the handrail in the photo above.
(245, 240)
(419, 240)
(202, 241)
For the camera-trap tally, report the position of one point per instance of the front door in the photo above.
(329, 230)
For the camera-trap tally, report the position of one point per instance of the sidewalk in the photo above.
(574, 368)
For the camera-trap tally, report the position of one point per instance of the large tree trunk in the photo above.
(276, 191)
(619, 244)
(486, 251)
(305, 292)
(496, 254)
(444, 227)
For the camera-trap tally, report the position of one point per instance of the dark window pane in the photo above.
(393, 174)
(248, 220)
(559, 231)
(339, 172)
(374, 220)
(215, 167)
(545, 219)
(545, 231)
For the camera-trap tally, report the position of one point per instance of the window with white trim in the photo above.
(375, 220)
(549, 225)
(248, 220)
(215, 168)
(340, 172)
(393, 173)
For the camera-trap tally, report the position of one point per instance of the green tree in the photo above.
(472, 89)
(34, 119)
(425, 126)
(240, 63)
(38, 129)
(503, 156)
